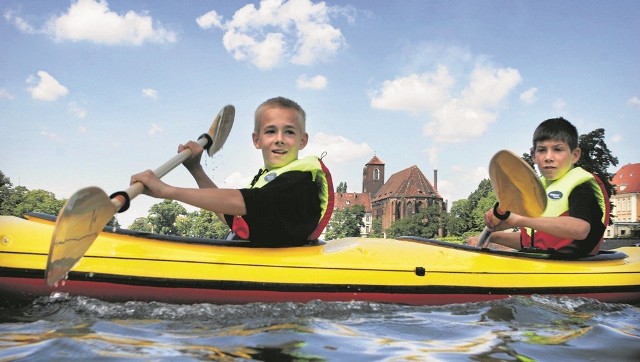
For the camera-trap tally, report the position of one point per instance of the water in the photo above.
(538, 328)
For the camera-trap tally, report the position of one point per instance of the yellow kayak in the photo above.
(125, 265)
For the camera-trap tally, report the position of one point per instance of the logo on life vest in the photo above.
(555, 195)
(270, 176)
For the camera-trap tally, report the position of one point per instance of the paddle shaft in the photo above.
(483, 240)
(138, 187)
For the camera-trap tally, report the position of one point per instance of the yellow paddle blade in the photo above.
(221, 127)
(516, 185)
(82, 218)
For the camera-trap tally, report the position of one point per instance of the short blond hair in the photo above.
(280, 102)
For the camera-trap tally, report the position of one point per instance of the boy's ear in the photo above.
(576, 155)
(255, 138)
(305, 139)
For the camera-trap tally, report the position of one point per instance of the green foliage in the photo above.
(342, 188)
(596, 157)
(459, 219)
(202, 224)
(163, 216)
(19, 200)
(376, 229)
(142, 224)
(426, 223)
(171, 218)
(346, 222)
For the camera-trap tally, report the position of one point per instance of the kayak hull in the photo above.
(123, 267)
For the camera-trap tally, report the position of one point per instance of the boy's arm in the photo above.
(561, 226)
(220, 201)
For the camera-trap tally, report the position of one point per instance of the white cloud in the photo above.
(91, 20)
(75, 109)
(559, 104)
(4, 94)
(155, 129)
(150, 93)
(53, 137)
(19, 23)
(210, 20)
(529, 96)
(338, 148)
(634, 101)
(453, 116)
(432, 155)
(317, 82)
(616, 138)
(46, 88)
(236, 181)
(297, 31)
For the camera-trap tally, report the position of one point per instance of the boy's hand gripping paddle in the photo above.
(89, 210)
(517, 188)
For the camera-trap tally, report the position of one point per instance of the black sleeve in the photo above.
(583, 204)
(284, 211)
(582, 201)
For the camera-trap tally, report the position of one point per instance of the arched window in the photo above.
(376, 173)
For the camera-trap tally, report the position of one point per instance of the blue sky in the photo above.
(94, 91)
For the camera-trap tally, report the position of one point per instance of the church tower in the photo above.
(373, 176)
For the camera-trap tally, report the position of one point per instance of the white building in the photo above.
(626, 202)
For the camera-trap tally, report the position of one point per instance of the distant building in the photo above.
(403, 195)
(626, 202)
(373, 176)
(347, 199)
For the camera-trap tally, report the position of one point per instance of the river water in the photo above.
(537, 328)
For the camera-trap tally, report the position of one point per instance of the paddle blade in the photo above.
(516, 185)
(82, 218)
(221, 127)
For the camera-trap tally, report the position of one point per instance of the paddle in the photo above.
(517, 188)
(89, 210)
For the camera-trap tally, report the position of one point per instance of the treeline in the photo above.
(19, 200)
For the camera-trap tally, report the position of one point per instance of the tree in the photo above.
(5, 192)
(142, 225)
(342, 188)
(38, 201)
(163, 216)
(459, 217)
(376, 229)
(426, 223)
(202, 224)
(346, 222)
(596, 157)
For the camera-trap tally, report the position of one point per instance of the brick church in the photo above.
(402, 195)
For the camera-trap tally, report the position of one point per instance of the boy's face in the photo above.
(554, 158)
(279, 136)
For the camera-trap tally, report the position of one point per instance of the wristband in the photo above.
(500, 216)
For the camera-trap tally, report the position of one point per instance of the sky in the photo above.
(94, 91)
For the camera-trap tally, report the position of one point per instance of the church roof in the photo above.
(343, 200)
(375, 161)
(627, 179)
(409, 182)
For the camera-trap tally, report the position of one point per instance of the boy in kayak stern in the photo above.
(577, 211)
(289, 201)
